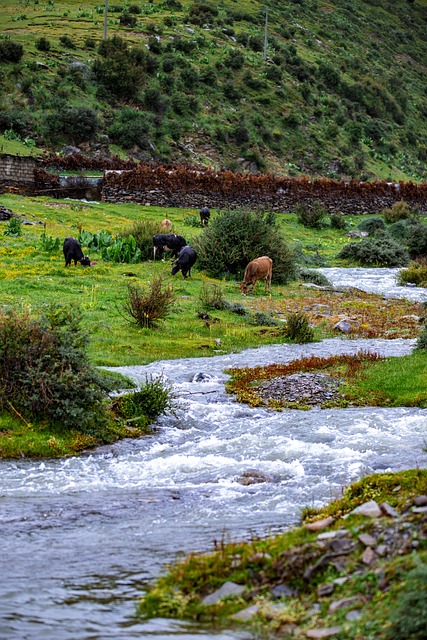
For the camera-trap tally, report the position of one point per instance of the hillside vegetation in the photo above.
(340, 91)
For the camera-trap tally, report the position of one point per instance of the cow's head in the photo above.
(85, 262)
(243, 288)
(175, 268)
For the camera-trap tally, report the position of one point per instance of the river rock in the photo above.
(318, 525)
(245, 614)
(388, 510)
(228, 589)
(344, 602)
(420, 501)
(368, 556)
(325, 632)
(343, 326)
(367, 540)
(369, 509)
(202, 377)
(251, 476)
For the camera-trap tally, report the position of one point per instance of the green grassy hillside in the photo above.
(340, 92)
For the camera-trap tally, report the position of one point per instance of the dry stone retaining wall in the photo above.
(17, 169)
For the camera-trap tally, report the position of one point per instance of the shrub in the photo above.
(143, 231)
(191, 220)
(73, 124)
(378, 251)
(134, 8)
(422, 340)
(122, 250)
(119, 70)
(95, 241)
(234, 238)
(128, 19)
(297, 328)
(262, 319)
(49, 244)
(417, 241)
(67, 42)
(13, 228)
(408, 616)
(130, 128)
(371, 225)
(146, 306)
(10, 51)
(337, 221)
(45, 373)
(141, 407)
(402, 229)
(235, 307)
(310, 215)
(211, 297)
(398, 211)
(202, 13)
(42, 44)
(310, 275)
(416, 273)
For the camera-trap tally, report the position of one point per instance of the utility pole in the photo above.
(105, 19)
(265, 33)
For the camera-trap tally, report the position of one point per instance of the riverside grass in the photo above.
(33, 278)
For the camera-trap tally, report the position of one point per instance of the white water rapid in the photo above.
(81, 537)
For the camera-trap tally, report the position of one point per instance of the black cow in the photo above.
(73, 251)
(168, 241)
(205, 214)
(187, 257)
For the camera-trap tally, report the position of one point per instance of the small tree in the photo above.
(145, 307)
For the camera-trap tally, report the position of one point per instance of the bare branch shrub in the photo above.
(146, 306)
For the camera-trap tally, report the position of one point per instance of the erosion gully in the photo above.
(82, 537)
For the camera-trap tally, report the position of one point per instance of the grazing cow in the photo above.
(168, 241)
(187, 257)
(73, 251)
(258, 269)
(166, 225)
(205, 214)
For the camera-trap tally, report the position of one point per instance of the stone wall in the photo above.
(17, 169)
(333, 203)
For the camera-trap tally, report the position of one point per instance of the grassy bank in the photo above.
(353, 576)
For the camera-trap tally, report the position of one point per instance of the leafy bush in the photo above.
(45, 372)
(141, 407)
(67, 42)
(415, 273)
(13, 228)
(143, 231)
(398, 211)
(95, 241)
(119, 70)
(378, 251)
(297, 328)
(422, 340)
(408, 615)
(234, 238)
(310, 215)
(49, 244)
(337, 221)
(370, 225)
(235, 307)
(73, 124)
(130, 128)
(310, 275)
(145, 306)
(191, 220)
(417, 241)
(211, 296)
(402, 229)
(122, 250)
(262, 319)
(10, 51)
(42, 44)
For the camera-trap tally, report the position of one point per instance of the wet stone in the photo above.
(313, 389)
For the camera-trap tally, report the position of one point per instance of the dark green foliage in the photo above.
(378, 251)
(402, 229)
(112, 381)
(234, 238)
(13, 228)
(416, 273)
(128, 19)
(143, 232)
(43, 44)
(202, 13)
(297, 328)
(310, 215)
(119, 70)
(150, 401)
(262, 319)
(310, 275)
(10, 51)
(417, 241)
(145, 306)
(67, 42)
(422, 340)
(398, 211)
(211, 297)
(45, 373)
(236, 307)
(371, 225)
(408, 617)
(337, 221)
(135, 9)
(132, 128)
(191, 220)
(95, 241)
(15, 119)
(122, 250)
(49, 244)
(72, 124)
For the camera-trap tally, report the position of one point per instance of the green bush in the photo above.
(13, 228)
(140, 407)
(73, 124)
(132, 127)
(118, 70)
(143, 231)
(67, 42)
(422, 340)
(417, 241)
(378, 251)
(234, 238)
(146, 306)
(398, 211)
(211, 297)
(337, 221)
(310, 215)
(297, 328)
(49, 244)
(310, 275)
(42, 44)
(122, 250)
(45, 373)
(408, 616)
(415, 273)
(402, 229)
(371, 225)
(261, 319)
(10, 51)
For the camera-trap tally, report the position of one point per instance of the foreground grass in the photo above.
(262, 564)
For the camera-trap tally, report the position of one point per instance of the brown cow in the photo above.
(258, 269)
(166, 225)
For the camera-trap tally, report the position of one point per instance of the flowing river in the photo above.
(81, 537)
